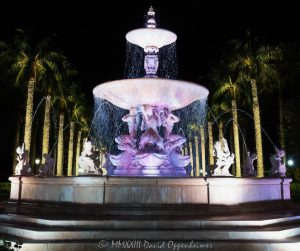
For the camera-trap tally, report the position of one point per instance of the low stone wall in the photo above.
(149, 190)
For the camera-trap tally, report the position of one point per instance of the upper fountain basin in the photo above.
(128, 93)
(146, 37)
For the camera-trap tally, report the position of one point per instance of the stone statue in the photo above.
(248, 167)
(131, 120)
(150, 117)
(47, 168)
(155, 150)
(151, 139)
(22, 168)
(278, 167)
(88, 161)
(168, 123)
(224, 158)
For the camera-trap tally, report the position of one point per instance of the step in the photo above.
(38, 232)
(291, 244)
(151, 224)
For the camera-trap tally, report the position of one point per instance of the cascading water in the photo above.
(106, 124)
(134, 63)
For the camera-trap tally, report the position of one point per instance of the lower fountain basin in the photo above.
(128, 93)
(149, 190)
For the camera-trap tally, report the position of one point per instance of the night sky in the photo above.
(92, 33)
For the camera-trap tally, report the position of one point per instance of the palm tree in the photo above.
(210, 144)
(60, 146)
(71, 149)
(30, 63)
(46, 129)
(229, 91)
(77, 114)
(289, 68)
(78, 149)
(203, 161)
(252, 63)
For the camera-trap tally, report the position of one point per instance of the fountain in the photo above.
(150, 102)
(149, 196)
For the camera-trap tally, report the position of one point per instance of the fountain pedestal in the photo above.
(150, 154)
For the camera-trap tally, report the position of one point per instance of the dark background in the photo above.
(91, 33)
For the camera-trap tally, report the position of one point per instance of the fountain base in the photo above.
(149, 190)
(151, 171)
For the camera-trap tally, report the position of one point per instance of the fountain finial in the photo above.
(150, 18)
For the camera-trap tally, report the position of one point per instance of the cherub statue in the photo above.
(278, 167)
(22, 168)
(150, 117)
(88, 160)
(131, 120)
(248, 167)
(168, 123)
(47, 168)
(224, 158)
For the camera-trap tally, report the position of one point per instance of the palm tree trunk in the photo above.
(203, 161)
(186, 152)
(257, 127)
(71, 147)
(210, 144)
(281, 124)
(60, 147)
(197, 157)
(34, 135)
(236, 140)
(78, 148)
(28, 116)
(221, 135)
(46, 129)
(191, 158)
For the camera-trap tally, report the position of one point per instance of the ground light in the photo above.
(290, 162)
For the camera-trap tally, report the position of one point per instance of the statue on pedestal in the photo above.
(224, 158)
(248, 167)
(89, 161)
(278, 167)
(22, 168)
(47, 168)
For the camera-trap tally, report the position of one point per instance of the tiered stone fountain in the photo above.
(150, 101)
